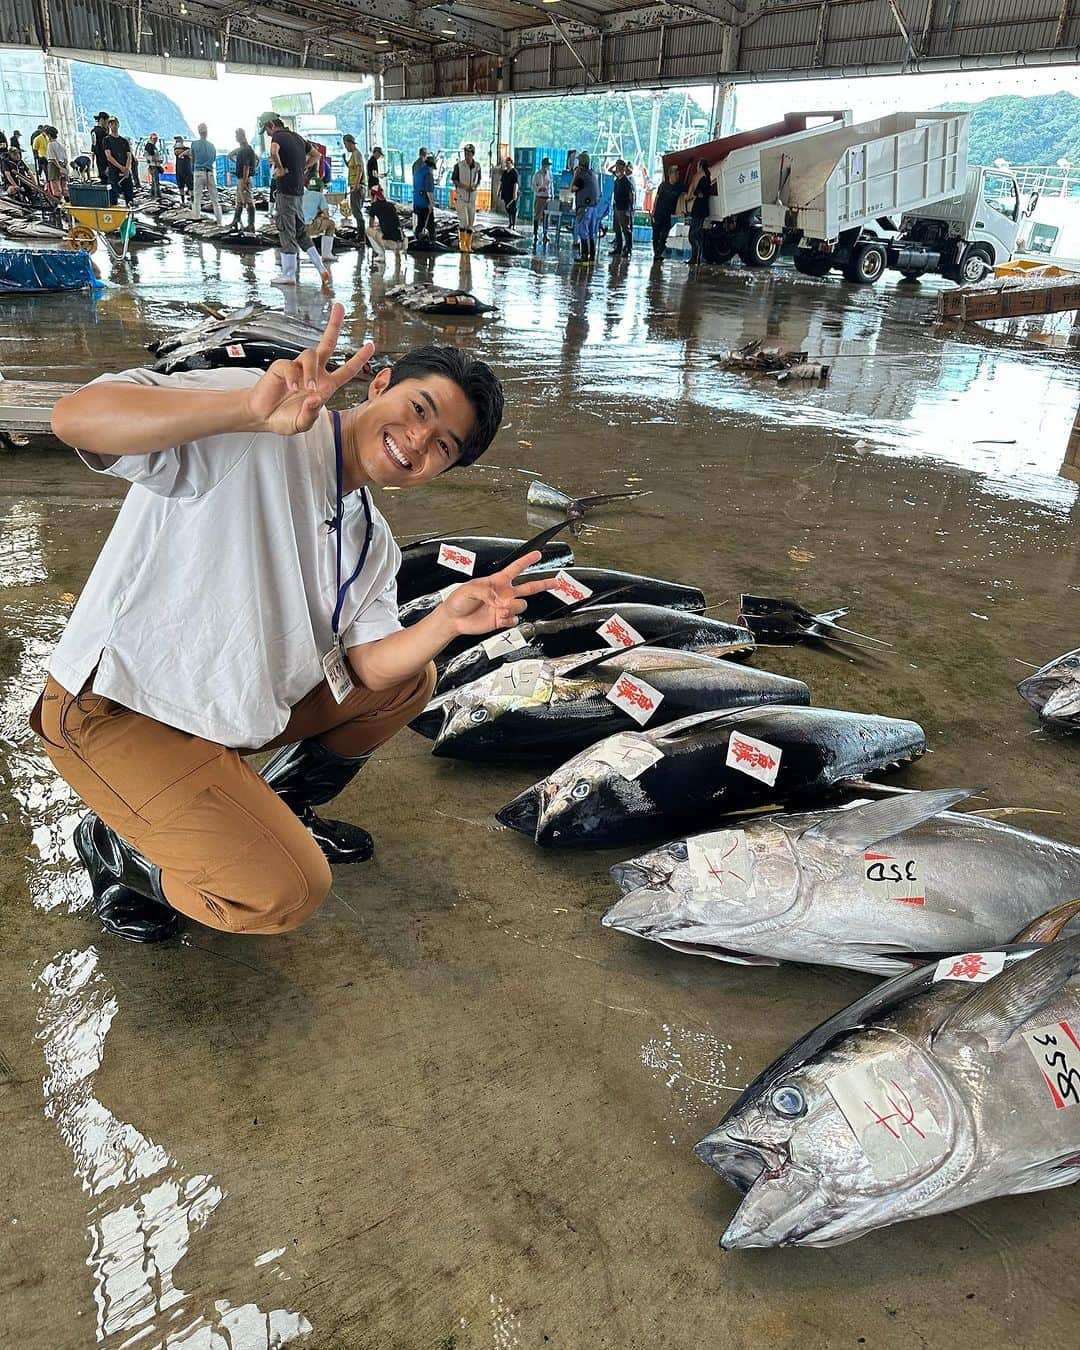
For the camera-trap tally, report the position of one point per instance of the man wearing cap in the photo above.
(204, 156)
(466, 180)
(354, 170)
(152, 151)
(98, 133)
(288, 155)
(543, 187)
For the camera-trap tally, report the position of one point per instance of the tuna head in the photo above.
(1054, 691)
(576, 803)
(863, 1135)
(722, 894)
(479, 719)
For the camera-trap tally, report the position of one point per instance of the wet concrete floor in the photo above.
(452, 1111)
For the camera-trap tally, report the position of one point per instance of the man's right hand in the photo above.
(292, 394)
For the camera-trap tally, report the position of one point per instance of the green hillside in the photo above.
(141, 111)
(1037, 130)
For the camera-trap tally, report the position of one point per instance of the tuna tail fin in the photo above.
(998, 1008)
(1047, 927)
(529, 546)
(768, 618)
(861, 826)
(554, 499)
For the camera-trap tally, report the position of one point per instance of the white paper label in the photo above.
(892, 877)
(509, 640)
(518, 678)
(970, 967)
(757, 758)
(235, 349)
(627, 753)
(1057, 1052)
(721, 866)
(889, 1115)
(636, 698)
(448, 591)
(335, 666)
(568, 590)
(457, 559)
(618, 633)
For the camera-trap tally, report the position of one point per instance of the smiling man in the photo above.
(246, 600)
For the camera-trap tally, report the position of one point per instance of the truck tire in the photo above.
(760, 249)
(812, 264)
(716, 247)
(974, 266)
(868, 261)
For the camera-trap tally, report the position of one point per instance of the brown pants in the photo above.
(232, 854)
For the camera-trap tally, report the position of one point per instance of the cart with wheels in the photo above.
(93, 216)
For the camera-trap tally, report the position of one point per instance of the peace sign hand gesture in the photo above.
(489, 603)
(291, 394)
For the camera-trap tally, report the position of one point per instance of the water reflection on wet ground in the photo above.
(453, 1111)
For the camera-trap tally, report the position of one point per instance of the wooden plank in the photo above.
(1016, 303)
(26, 405)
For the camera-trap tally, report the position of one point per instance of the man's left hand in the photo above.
(490, 603)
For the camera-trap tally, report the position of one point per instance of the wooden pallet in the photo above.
(1009, 300)
(26, 405)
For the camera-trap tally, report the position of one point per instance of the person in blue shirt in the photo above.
(204, 155)
(423, 195)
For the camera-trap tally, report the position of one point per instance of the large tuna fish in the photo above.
(875, 886)
(582, 630)
(924, 1096)
(704, 767)
(428, 564)
(1054, 691)
(557, 707)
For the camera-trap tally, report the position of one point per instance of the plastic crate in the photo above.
(89, 194)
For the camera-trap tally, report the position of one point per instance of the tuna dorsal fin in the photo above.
(997, 1008)
(1047, 927)
(529, 546)
(862, 826)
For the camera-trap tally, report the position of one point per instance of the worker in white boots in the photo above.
(288, 153)
(466, 180)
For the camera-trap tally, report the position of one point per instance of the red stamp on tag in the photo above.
(568, 590)
(457, 559)
(635, 697)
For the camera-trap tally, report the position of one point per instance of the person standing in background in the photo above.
(431, 218)
(185, 172)
(510, 190)
(118, 157)
(246, 166)
(56, 166)
(586, 189)
(354, 172)
(466, 180)
(543, 187)
(423, 195)
(373, 168)
(701, 189)
(622, 209)
(16, 140)
(665, 207)
(154, 159)
(39, 145)
(288, 154)
(98, 132)
(204, 158)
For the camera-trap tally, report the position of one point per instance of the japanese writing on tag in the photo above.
(891, 1114)
(757, 758)
(890, 878)
(721, 866)
(635, 697)
(618, 633)
(568, 590)
(974, 967)
(627, 753)
(509, 640)
(457, 559)
(235, 349)
(519, 678)
(1057, 1052)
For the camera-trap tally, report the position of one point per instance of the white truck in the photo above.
(836, 200)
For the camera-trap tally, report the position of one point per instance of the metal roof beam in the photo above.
(229, 25)
(404, 14)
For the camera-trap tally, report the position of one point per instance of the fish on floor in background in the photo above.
(877, 886)
(558, 707)
(773, 620)
(924, 1096)
(439, 559)
(1054, 691)
(578, 630)
(698, 770)
(546, 498)
(250, 336)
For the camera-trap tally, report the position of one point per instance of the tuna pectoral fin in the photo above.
(1047, 927)
(861, 826)
(997, 1008)
(533, 545)
(717, 953)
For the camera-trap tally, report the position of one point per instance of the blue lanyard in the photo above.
(342, 591)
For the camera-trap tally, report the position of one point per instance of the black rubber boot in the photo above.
(127, 887)
(251, 219)
(306, 774)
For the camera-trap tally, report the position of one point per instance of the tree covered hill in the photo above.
(141, 111)
(1037, 130)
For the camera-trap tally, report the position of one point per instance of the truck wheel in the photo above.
(715, 247)
(974, 267)
(760, 249)
(812, 264)
(867, 263)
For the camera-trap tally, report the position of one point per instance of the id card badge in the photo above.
(335, 666)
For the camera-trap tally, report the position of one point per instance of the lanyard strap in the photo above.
(342, 591)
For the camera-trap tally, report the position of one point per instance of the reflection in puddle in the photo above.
(696, 1067)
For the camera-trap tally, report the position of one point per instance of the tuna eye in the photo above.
(580, 790)
(478, 715)
(788, 1101)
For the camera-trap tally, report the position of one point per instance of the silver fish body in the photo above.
(878, 898)
(1054, 691)
(927, 1095)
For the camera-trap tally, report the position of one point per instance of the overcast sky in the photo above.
(233, 99)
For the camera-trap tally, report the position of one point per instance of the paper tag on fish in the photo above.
(636, 698)
(568, 590)
(721, 866)
(235, 349)
(885, 1101)
(457, 559)
(1057, 1052)
(618, 633)
(757, 758)
(448, 591)
(627, 753)
(519, 678)
(970, 967)
(892, 877)
(509, 640)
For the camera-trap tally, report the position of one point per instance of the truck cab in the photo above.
(972, 231)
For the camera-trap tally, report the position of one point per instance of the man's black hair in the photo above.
(476, 380)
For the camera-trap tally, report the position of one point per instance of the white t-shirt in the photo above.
(210, 605)
(467, 176)
(542, 183)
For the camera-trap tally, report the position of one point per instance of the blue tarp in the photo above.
(46, 269)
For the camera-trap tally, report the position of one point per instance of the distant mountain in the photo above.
(349, 110)
(1037, 130)
(141, 111)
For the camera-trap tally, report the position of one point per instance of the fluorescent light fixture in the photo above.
(183, 7)
(382, 42)
(449, 32)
